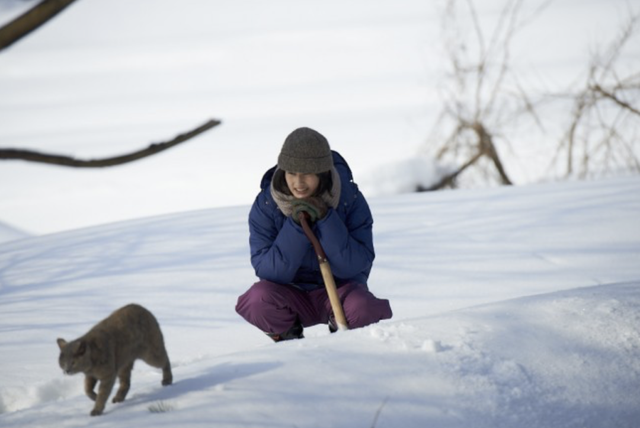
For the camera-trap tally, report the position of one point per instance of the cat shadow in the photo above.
(219, 375)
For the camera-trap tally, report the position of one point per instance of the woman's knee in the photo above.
(362, 308)
(257, 294)
(269, 306)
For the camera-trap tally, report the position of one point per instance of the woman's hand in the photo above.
(314, 206)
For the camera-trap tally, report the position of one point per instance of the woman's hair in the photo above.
(325, 184)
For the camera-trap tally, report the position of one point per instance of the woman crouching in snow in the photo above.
(291, 295)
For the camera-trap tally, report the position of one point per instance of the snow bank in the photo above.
(404, 176)
(513, 307)
(566, 359)
(9, 233)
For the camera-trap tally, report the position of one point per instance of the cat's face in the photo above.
(74, 356)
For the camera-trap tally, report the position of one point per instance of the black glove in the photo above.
(315, 207)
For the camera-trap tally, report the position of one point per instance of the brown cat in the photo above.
(109, 350)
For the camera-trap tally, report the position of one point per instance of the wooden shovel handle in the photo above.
(327, 276)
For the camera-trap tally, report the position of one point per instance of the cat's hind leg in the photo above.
(158, 358)
(124, 377)
(89, 385)
(167, 376)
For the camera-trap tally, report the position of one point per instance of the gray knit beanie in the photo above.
(305, 151)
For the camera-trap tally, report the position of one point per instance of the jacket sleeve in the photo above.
(349, 244)
(276, 254)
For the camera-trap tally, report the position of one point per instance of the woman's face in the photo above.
(302, 185)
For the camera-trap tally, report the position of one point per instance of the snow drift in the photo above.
(513, 307)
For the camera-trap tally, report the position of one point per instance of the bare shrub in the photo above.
(601, 138)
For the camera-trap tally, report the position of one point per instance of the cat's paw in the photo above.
(96, 412)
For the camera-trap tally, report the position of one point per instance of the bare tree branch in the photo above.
(31, 20)
(485, 143)
(508, 19)
(33, 156)
(449, 179)
(483, 147)
(597, 88)
(473, 106)
(484, 95)
(596, 140)
(21, 27)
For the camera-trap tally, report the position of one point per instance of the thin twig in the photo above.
(375, 419)
(449, 179)
(597, 88)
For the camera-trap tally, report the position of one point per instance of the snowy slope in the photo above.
(513, 307)
(9, 233)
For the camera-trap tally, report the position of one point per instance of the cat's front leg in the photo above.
(89, 384)
(104, 390)
(124, 377)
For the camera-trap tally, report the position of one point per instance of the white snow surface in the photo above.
(10, 233)
(105, 78)
(513, 307)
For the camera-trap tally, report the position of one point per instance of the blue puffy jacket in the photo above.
(281, 253)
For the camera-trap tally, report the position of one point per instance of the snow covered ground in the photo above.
(9, 233)
(513, 307)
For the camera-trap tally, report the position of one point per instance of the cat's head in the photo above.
(74, 356)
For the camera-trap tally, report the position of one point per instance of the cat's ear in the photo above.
(61, 343)
(81, 349)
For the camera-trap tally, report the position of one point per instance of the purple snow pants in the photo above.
(275, 308)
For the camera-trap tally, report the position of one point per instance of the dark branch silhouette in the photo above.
(25, 24)
(32, 156)
(30, 20)
(484, 147)
(610, 95)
